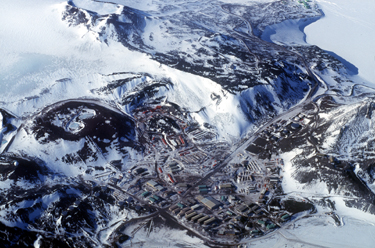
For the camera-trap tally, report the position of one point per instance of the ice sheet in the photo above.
(348, 30)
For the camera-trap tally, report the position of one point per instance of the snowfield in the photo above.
(348, 30)
(45, 60)
(322, 232)
(289, 32)
(46, 56)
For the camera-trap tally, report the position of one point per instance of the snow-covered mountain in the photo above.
(96, 90)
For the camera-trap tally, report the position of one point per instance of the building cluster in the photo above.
(174, 141)
(284, 128)
(233, 203)
(230, 215)
(208, 202)
(198, 134)
(253, 166)
(193, 156)
(174, 167)
(105, 175)
(245, 176)
(154, 185)
(161, 126)
(275, 132)
(190, 214)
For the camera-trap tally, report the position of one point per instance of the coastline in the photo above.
(289, 32)
(347, 32)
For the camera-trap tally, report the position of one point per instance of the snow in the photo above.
(7, 184)
(54, 51)
(117, 216)
(353, 212)
(194, 92)
(145, 5)
(348, 30)
(73, 191)
(242, 2)
(37, 242)
(166, 237)
(320, 231)
(290, 185)
(50, 153)
(39, 50)
(102, 8)
(289, 32)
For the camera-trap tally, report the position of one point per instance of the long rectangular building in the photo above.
(191, 215)
(253, 208)
(195, 206)
(173, 208)
(209, 221)
(203, 219)
(176, 210)
(225, 186)
(197, 217)
(188, 212)
(183, 211)
(208, 201)
(199, 198)
(242, 208)
(152, 184)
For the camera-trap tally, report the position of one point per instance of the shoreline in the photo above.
(289, 32)
(347, 32)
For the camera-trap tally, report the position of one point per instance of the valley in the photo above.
(181, 124)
